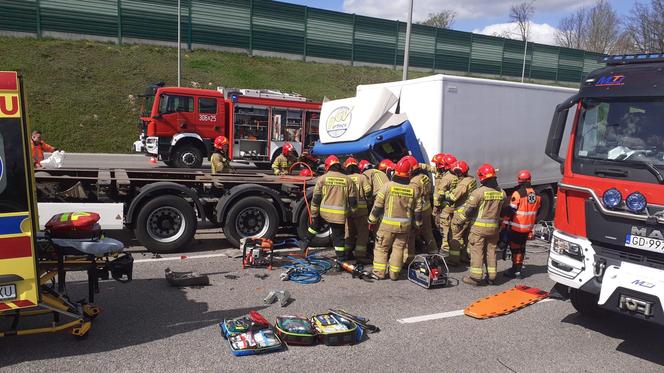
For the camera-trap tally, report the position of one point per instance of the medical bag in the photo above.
(250, 335)
(296, 330)
(334, 330)
(74, 225)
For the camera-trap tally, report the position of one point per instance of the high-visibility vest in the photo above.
(526, 208)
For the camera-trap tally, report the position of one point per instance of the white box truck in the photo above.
(478, 120)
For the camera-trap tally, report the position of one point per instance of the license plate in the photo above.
(645, 243)
(7, 292)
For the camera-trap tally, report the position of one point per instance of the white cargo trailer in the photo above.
(478, 120)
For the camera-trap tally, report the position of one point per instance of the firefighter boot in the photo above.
(470, 281)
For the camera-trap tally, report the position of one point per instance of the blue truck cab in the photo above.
(388, 143)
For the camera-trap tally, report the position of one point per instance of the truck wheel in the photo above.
(586, 303)
(187, 156)
(165, 224)
(251, 217)
(322, 239)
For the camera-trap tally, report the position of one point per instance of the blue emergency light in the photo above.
(624, 59)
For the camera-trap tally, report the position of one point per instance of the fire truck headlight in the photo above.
(563, 247)
(636, 202)
(612, 198)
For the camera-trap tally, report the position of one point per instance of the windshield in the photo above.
(621, 131)
(146, 106)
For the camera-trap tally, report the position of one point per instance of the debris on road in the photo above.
(181, 279)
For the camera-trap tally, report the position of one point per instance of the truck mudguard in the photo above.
(161, 188)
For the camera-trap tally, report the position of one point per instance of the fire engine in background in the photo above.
(178, 124)
(607, 251)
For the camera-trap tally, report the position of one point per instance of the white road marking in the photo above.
(442, 315)
(207, 256)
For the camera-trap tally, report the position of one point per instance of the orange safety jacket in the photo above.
(38, 151)
(525, 209)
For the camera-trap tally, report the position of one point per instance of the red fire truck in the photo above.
(607, 251)
(178, 125)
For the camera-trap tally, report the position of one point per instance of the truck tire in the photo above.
(251, 217)
(323, 239)
(586, 303)
(187, 156)
(165, 224)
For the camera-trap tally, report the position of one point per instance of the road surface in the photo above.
(148, 326)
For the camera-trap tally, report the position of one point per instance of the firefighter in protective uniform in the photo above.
(398, 206)
(219, 160)
(357, 231)
(482, 210)
(419, 179)
(444, 211)
(520, 219)
(283, 163)
(387, 167)
(376, 178)
(334, 200)
(456, 198)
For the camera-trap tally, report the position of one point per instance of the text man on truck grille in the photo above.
(399, 204)
(334, 200)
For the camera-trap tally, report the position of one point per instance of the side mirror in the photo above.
(557, 130)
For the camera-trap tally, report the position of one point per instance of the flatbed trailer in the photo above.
(165, 207)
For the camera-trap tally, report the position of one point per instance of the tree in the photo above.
(521, 14)
(597, 29)
(571, 30)
(645, 26)
(442, 19)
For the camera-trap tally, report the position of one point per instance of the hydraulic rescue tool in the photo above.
(356, 270)
(257, 253)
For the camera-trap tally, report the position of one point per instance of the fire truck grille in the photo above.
(623, 254)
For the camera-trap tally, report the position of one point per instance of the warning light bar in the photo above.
(624, 59)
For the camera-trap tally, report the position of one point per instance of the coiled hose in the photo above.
(306, 271)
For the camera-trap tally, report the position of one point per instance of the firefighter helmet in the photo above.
(385, 165)
(403, 168)
(364, 165)
(331, 160)
(486, 171)
(220, 142)
(414, 164)
(306, 172)
(449, 161)
(524, 176)
(439, 160)
(287, 148)
(460, 167)
(350, 161)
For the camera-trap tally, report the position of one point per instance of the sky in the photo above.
(480, 16)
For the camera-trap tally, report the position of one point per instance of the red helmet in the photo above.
(449, 160)
(403, 168)
(524, 176)
(459, 167)
(306, 172)
(287, 148)
(486, 171)
(331, 160)
(350, 161)
(412, 161)
(363, 164)
(220, 142)
(386, 164)
(439, 160)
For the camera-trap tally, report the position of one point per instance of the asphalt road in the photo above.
(148, 326)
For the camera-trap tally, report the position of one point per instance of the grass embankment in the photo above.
(79, 91)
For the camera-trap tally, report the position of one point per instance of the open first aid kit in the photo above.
(250, 335)
(296, 330)
(335, 330)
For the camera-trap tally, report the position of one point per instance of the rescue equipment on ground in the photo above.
(505, 302)
(250, 335)
(429, 270)
(180, 279)
(296, 330)
(359, 320)
(257, 253)
(356, 270)
(305, 271)
(335, 330)
(283, 296)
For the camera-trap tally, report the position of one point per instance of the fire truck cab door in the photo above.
(210, 117)
(177, 113)
(18, 274)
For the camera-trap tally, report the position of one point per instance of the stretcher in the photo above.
(505, 302)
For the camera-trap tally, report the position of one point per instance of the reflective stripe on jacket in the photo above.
(334, 198)
(399, 206)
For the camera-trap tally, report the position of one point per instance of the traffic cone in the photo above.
(153, 160)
